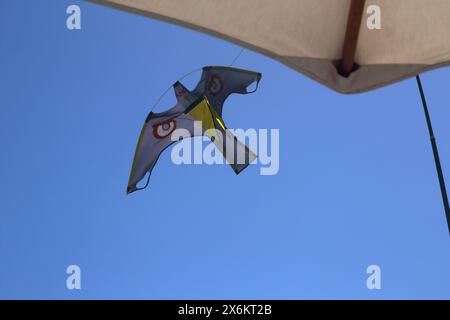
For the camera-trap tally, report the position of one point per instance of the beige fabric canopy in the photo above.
(312, 36)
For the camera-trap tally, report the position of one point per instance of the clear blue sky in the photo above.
(357, 183)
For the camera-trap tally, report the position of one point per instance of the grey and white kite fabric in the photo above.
(203, 104)
(216, 84)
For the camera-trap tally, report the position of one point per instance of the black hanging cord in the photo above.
(435, 153)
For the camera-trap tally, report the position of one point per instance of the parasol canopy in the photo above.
(330, 41)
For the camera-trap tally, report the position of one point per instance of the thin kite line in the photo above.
(237, 56)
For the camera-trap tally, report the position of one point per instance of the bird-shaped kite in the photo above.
(203, 104)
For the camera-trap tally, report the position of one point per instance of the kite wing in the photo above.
(217, 83)
(155, 137)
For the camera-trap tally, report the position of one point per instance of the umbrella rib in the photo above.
(355, 15)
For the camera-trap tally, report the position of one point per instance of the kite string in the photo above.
(237, 56)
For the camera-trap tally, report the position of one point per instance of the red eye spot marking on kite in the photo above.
(215, 85)
(164, 128)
